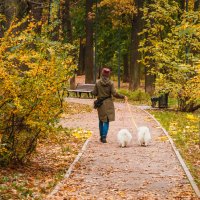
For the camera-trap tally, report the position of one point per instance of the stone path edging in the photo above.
(69, 171)
(179, 157)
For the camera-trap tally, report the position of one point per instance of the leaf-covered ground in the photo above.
(106, 171)
(53, 156)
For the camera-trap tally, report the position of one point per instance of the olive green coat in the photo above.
(104, 88)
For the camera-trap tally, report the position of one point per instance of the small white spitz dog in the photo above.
(124, 137)
(144, 135)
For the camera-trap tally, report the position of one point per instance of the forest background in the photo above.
(152, 45)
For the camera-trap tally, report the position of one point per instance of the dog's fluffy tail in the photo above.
(144, 135)
(124, 137)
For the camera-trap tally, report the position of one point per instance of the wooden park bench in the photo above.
(82, 88)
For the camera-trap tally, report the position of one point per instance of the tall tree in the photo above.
(67, 30)
(196, 5)
(1, 19)
(165, 50)
(54, 19)
(114, 16)
(14, 9)
(181, 4)
(77, 14)
(89, 75)
(149, 81)
(36, 8)
(150, 77)
(66, 21)
(126, 67)
(134, 53)
(81, 61)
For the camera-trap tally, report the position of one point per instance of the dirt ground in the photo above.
(106, 171)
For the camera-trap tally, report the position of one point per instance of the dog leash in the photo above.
(132, 119)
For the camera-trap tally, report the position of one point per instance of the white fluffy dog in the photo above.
(144, 135)
(124, 137)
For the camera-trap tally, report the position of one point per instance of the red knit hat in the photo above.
(105, 72)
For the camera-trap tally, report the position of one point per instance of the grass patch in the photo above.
(184, 130)
(139, 97)
(47, 166)
(136, 97)
(172, 103)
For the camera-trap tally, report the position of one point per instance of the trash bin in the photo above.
(154, 100)
(163, 100)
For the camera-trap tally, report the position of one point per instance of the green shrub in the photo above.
(137, 95)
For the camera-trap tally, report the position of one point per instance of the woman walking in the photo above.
(104, 89)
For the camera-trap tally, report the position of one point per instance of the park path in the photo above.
(106, 171)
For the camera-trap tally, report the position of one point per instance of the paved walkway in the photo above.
(106, 171)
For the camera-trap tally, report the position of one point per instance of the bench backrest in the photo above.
(86, 87)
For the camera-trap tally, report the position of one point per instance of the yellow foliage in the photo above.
(163, 138)
(118, 8)
(172, 51)
(33, 70)
(191, 117)
(81, 134)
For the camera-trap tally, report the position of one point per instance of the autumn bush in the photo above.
(136, 96)
(171, 50)
(33, 72)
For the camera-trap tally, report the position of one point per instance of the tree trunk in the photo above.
(149, 82)
(81, 62)
(49, 12)
(36, 9)
(89, 75)
(67, 32)
(14, 9)
(182, 4)
(134, 54)
(66, 22)
(196, 5)
(126, 68)
(1, 30)
(1, 20)
(54, 18)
